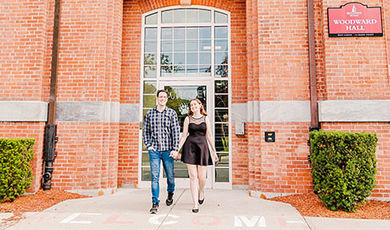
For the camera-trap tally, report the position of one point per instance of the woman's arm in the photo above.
(210, 140)
(184, 135)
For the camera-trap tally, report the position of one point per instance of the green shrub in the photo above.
(343, 167)
(15, 170)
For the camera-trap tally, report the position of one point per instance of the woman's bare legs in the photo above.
(202, 170)
(193, 173)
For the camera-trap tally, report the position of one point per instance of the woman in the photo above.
(196, 154)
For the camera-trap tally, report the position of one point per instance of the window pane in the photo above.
(179, 58)
(205, 58)
(166, 46)
(166, 58)
(192, 69)
(192, 15)
(179, 33)
(151, 47)
(150, 58)
(192, 58)
(205, 70)
(150, 72)
(179, 69)
(192, 33)
(150, 87)
(145, 158)
(150, 33)
(192, 45)
(221, 58)
(145, 174)
(179, 45)
(221, 86)
(220, 18)
(222, 137)
(221, 32)
(221, 101)
(149, 101)
(221, 115)
(205, 45)
(221, 174)
(151, 19)
(221, 71)
(205, 32)
(166, 70)
(179, 16)
(166, 16)
(221, 45)
(144, 113)
(223, 160)
(166, 33)
(180, 169)
(204, 16)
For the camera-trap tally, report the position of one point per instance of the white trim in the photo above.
(23, 110)
(200, 79)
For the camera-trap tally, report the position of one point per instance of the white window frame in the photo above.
(211, 78)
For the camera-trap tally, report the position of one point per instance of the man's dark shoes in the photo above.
(169, 200)
(154, 208)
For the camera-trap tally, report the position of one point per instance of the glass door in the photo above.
(179, 96)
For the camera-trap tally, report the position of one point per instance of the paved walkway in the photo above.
(223, 209)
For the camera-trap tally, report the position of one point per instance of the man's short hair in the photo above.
(161, 91)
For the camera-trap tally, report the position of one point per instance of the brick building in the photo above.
(247, 60)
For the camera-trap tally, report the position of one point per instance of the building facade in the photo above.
(248, 61)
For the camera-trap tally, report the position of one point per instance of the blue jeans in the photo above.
(155, 157)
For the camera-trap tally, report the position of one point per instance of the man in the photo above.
(161, 136)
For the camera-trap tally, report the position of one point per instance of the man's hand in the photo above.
(151, 148)
(174, 154)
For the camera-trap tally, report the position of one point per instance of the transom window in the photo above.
(186, 43)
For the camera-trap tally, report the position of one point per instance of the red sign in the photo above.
(355, 20)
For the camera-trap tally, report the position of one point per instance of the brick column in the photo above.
(254, 151)
(24, 57)
(88, 95)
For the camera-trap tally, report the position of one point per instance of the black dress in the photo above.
(195, 148)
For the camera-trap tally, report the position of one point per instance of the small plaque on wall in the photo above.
(355, 19)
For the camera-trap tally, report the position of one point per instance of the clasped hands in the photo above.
(174, 154)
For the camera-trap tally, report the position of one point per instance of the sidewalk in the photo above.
(223, 209)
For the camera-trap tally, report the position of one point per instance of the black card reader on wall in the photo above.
(269, 136)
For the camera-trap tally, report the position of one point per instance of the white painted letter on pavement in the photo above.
(156, 220)
(70, 219)
(240, 220)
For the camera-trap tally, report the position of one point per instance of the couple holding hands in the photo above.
(161, 136)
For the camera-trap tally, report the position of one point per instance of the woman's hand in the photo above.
(216, 159)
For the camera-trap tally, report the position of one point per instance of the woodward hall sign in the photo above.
(355, 20)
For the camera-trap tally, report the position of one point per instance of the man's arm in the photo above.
(175, 132)
(146, 131)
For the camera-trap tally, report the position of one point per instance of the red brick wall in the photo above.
(89, 70)
(23, 68)
(284, 163)
(87, 155)
(356, 68)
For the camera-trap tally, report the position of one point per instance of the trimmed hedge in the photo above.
(343, 167)
(15, 170)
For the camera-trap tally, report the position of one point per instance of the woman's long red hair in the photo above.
(202, 110)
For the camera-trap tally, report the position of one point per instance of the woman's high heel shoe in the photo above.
(195, 210)
(201, 201)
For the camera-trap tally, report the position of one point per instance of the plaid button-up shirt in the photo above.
(161, 129)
